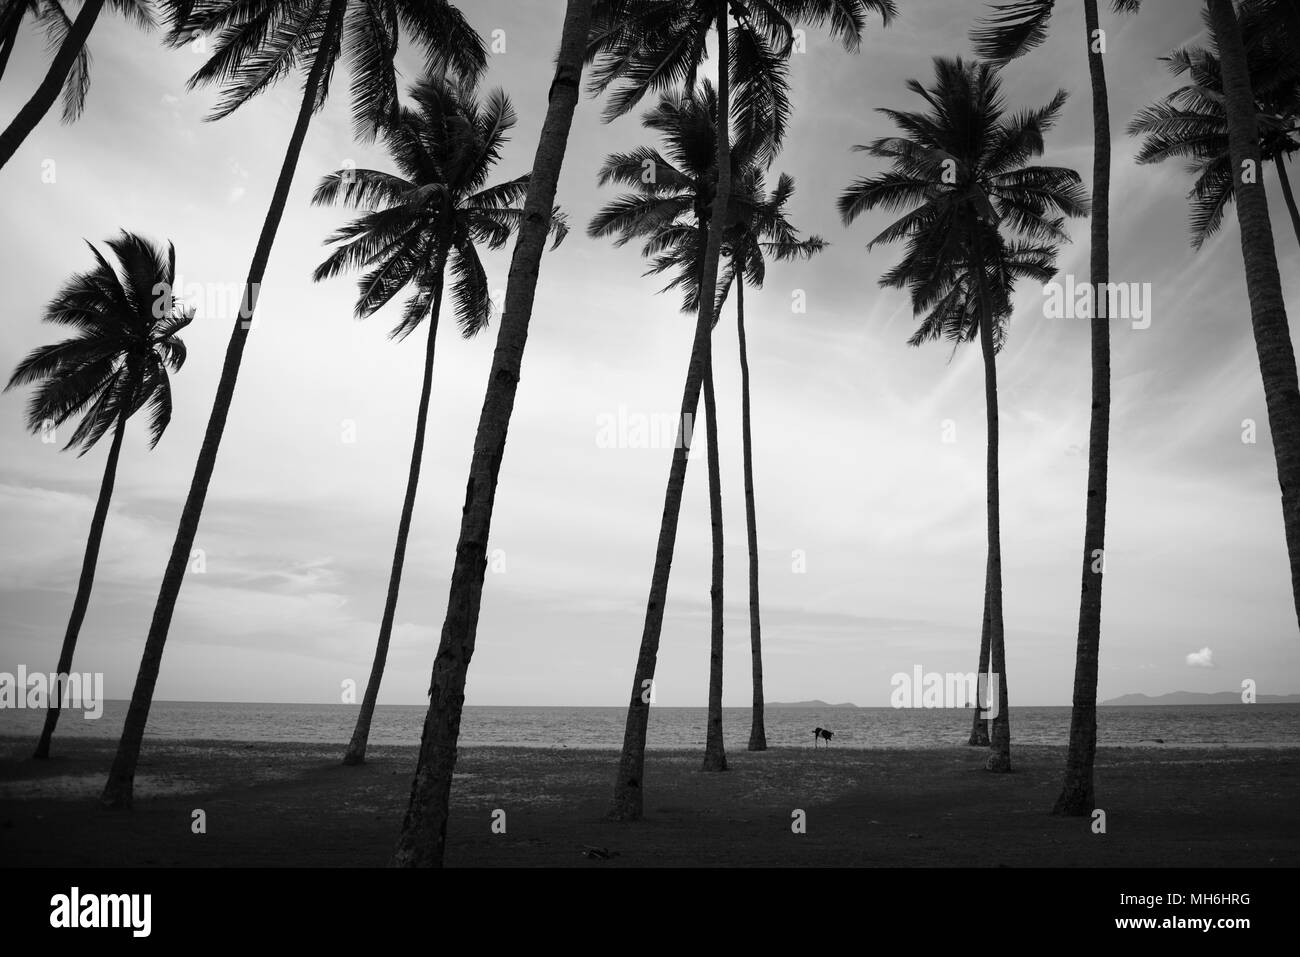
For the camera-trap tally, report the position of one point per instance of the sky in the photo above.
(868, 454)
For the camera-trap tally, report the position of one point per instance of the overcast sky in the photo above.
(851, 470)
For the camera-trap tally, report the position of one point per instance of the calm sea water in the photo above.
(1259, 725)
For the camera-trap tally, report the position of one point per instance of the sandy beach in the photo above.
(295, 805)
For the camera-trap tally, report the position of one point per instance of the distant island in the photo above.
(1198, 697)
(816, 703)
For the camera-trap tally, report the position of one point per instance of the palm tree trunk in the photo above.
(757, 732)
(979, 732)
(1263, 284)
(1077, 796)
(628, 791)
(9, 27)
(424, 828)
(118, 790)
(715, 754)
(1000, 759)
(356, 753)
(36, 108)
(1280, 163)
(83, 587)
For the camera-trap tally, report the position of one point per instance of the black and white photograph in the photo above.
(610, 435)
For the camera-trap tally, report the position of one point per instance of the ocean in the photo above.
(1257, 725)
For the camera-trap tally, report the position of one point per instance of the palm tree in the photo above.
(427, 217)
(960, 174)
(1263, 283)
(1011, 31)
(758, 226)
(715, 752)
(424, 828)
(70, 69)
(253, 48)
(126, 323)
(670, 208)
(1191, 122)
(642, 46)
(768, 232)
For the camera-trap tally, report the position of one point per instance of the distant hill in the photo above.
(1197, 697)
(816, 703)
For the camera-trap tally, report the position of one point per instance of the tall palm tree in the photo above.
(642, 46)
(424, 828)
(670, 208)
(767, 233)
(1012, 30)
(125, 343)
(428, 217)
(758, 227)
(959, 172)
(70, 69)
(1263, 283)
(255, 46)
(1191, 122)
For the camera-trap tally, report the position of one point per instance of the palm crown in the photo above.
(763, 229)
(125, 345)
(759, 228)
(1192, 122)
(652, 46)
(435, 210)
(955, 315)
(960, 173)
(256, 42)
(672, 201)
(673, 188)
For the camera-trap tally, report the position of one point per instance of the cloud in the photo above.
(1201, 659)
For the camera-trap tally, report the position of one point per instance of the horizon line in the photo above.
(746, 707)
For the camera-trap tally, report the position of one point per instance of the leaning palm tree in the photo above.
(255, 46)
(1263, 282)
(69, 71)
(642, 46)
(758, 227)
(1012, 30)
(125, 322)
(670, 208)
(959, 172)
(1192, 123)
(427, 218)
(424, 828)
